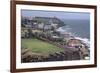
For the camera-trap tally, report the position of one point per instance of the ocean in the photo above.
(78, 28)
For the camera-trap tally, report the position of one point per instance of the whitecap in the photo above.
(62, 29)
(84, 40)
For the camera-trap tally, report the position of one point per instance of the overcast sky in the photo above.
(58, 14)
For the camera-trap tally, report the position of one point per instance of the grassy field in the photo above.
(41, 47)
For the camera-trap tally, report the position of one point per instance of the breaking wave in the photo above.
(84, 40)
(64, 29)
(67, 29)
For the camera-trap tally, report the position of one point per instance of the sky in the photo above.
(58, 14)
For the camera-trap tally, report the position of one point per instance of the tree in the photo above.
(30, 33)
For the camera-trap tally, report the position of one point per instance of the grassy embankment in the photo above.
(40, 47)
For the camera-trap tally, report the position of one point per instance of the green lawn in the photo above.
(41, 47)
